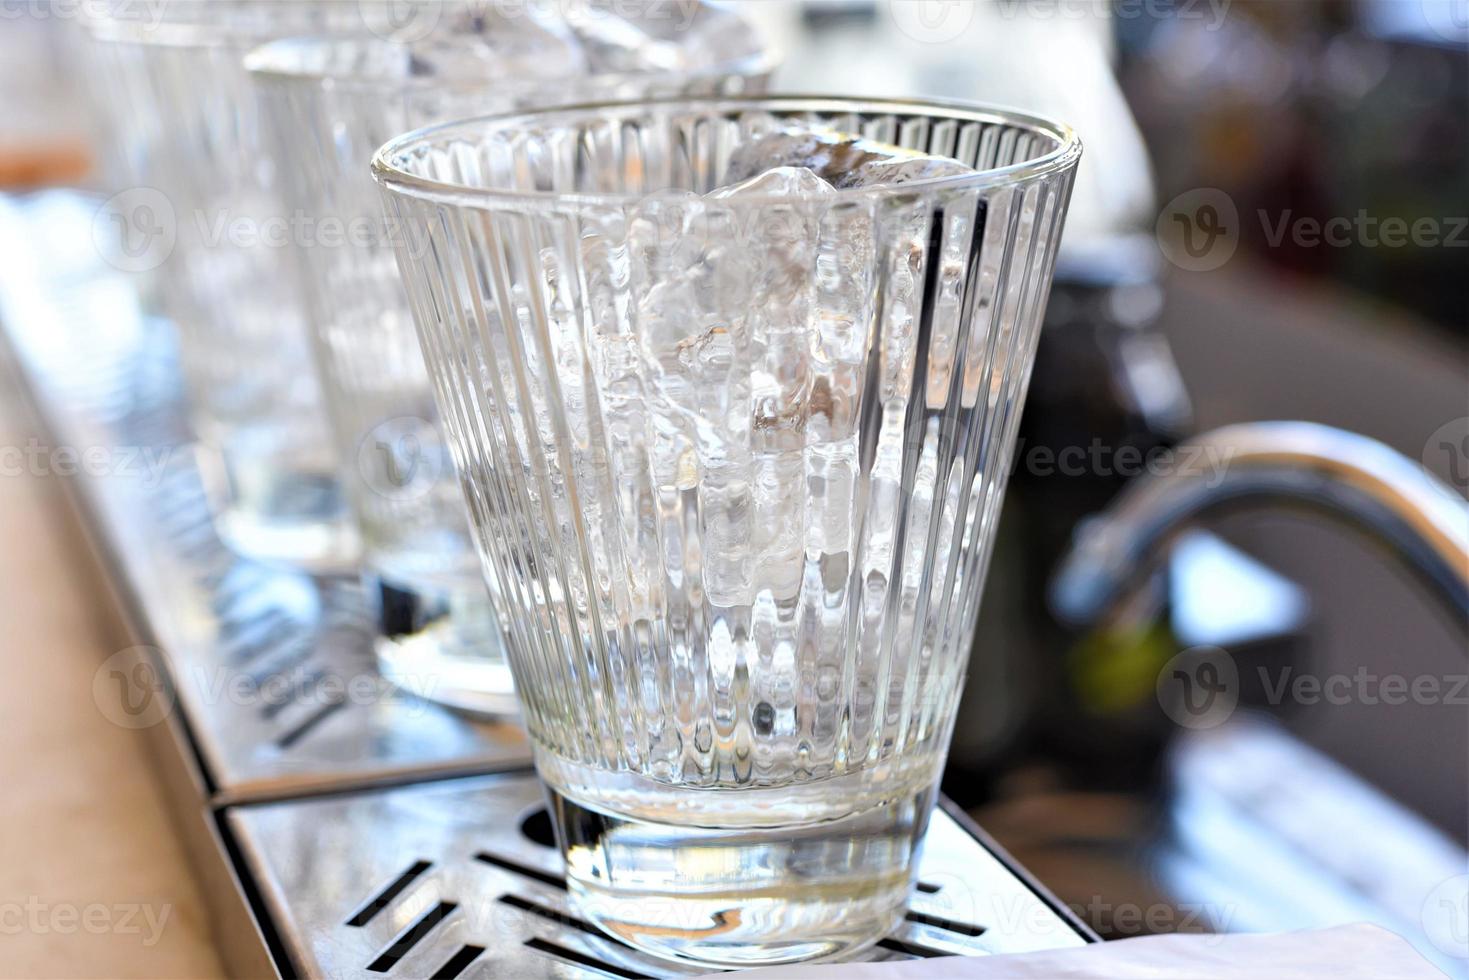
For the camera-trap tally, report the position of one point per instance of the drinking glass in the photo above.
(187, 124)
(733, 462)
(330, 102)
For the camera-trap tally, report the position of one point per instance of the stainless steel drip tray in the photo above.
(460, 878)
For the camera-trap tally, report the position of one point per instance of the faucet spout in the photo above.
(1350, 477)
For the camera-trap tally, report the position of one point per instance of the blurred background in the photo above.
(1272, 222)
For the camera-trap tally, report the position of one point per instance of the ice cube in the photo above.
(653, 35)
(726, 524)
(844, 160)
(781, 238)
(486, 42)
(727, 310)
(783, 180)
(780, 528)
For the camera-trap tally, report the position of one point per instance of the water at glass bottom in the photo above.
(739, 877)
(438, 638)
(277, 507)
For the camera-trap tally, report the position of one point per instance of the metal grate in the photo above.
(409, 882)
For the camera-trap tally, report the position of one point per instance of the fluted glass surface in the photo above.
(330, 102)
(733, 461)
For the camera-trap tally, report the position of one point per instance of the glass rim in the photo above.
(263, 63)
(398, 180)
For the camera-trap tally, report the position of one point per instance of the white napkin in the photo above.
(1357, 952)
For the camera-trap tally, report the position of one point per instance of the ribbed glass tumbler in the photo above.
(734, 457)
(332, 101)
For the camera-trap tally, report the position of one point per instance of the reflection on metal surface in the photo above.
(409, 880)
(1352, 477)
(1222, 597)
(1249, 787)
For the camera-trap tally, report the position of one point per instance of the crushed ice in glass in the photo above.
(754, 329)
(519, 41)
(842, 159)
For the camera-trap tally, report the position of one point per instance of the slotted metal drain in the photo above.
(317, 802)
(408, 881)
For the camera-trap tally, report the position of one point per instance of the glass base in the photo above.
(315, 547)
(742, 896)
(443, 645)
(280, 515)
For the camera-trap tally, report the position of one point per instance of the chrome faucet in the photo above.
(1353, 478)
